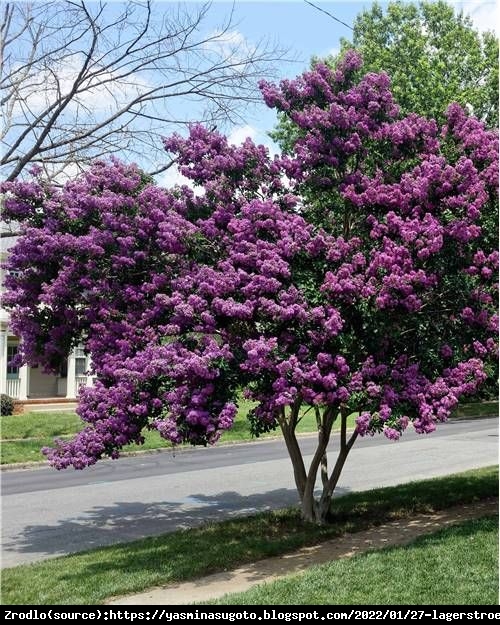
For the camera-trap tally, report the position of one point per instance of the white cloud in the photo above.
(230, 45)
(62, 173)
(238, 135)
(173, 177)
(484, 14)
(103, 93)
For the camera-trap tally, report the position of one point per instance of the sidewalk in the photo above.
(394, 533)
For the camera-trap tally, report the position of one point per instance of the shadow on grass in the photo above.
(91, 577)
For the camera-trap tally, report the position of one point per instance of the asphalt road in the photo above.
(48, 513)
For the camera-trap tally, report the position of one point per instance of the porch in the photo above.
(30, 384)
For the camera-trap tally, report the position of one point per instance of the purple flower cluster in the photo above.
(352, 272)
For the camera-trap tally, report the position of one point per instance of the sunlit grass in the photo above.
(35, 430)
(93, 576)
(455, 566)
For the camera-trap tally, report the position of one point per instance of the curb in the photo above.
(30, 466)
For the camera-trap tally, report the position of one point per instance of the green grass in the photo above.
(40, 425)
(93, 576)
(455, 566)
(483, 409)
(36, 430)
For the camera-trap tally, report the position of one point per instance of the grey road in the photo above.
(48, 513)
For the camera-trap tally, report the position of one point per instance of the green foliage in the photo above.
(433, 56)
(6, 405)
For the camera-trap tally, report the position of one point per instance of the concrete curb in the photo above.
(187, 449)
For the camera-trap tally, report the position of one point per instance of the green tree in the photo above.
(433, 56)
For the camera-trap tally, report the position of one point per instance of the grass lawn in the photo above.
(38, 429)
(93, 576)
(455, 566)
(482, 409)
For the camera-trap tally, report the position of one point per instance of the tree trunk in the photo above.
(317, 510)
(288, 429)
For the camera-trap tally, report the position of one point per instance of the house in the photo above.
(30, 385)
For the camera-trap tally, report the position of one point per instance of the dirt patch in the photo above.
(393, 533)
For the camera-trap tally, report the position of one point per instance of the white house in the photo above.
(31, 383)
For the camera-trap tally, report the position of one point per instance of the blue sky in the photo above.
(294, 25)
(310, 32)
(307, 32)
(297, 26)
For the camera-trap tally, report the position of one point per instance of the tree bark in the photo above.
(316, 510)
(345, 447)
(288, 429)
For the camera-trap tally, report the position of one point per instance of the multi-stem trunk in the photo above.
(317, 509)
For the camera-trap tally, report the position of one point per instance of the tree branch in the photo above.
(73, 77)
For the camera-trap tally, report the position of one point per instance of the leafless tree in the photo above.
(82, 80)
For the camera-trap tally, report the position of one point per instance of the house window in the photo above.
(12, 372)
(80, 362)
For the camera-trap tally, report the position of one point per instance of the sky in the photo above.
(307, 32)
(294, 25)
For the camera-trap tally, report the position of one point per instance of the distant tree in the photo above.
(349, 276)
(81, 81)
(433, 55)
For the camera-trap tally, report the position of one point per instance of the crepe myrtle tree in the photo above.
(348, 276)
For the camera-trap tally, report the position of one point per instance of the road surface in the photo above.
(48, 513)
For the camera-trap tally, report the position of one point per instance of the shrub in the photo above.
(6, 405)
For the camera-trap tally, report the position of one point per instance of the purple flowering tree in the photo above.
(350, 275)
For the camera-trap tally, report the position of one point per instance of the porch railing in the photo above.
(80, 380)
(13, 388)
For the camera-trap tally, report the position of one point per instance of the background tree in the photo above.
(348, 276)
(433, 55)
(81, 80)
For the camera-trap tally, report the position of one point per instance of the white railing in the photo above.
(80, 380)
(13, 388)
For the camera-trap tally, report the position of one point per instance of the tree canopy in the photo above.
(433, 55)
(348, 275)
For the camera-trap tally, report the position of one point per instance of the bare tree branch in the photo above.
(81, 81)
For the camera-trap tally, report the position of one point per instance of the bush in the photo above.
(6, 405)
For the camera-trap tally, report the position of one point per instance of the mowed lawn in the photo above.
(90, 577)
(23, 436)
(455, 566)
